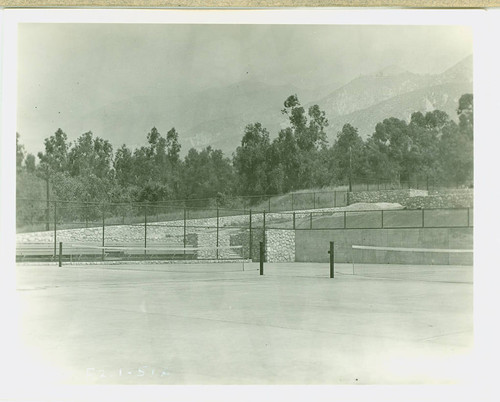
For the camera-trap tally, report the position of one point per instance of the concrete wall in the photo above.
(312, 245)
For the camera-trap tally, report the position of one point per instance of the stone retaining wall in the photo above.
(447, 199)
(280, 245)
(394, 196)
(417, 199)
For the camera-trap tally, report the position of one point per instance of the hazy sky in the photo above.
(68, 70)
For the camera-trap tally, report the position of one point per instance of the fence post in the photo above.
(310, 220)
(184, 233)
(60, 254)
(382, 218)
(468, 217)
(269, 204)
(250, 253)
(334, 198)
(145, 229)
(293, 207)
(423, 217)
(345, 219)
(261, 257)
(217, 239)
(103, 230)
(55, 229)
(264, 227)
(314, 200)
(294, 220)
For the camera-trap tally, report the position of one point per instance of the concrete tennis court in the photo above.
(217, 324)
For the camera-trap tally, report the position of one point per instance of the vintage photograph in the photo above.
(245, 204)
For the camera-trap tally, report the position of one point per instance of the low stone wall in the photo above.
(394, 196)
(417, 199)
(280, 245)
(446, 199)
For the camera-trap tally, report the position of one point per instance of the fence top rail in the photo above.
(259, 211)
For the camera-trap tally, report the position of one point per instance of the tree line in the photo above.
(430, 145)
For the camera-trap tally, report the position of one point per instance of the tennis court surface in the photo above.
(139, 323)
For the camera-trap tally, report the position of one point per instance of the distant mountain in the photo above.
(209, 117)
(389, 82)
(443, 97)
(394, 92)
(218, 116)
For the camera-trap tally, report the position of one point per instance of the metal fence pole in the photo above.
(293, 206)
(264, 227)
(310, 220)
(261, 258)
(314, 200)
(145, 229)
(250, 253)
(423, 217)
(382, 219)
(217, 239)
(103, 216)
(55, 228)
(184, 233)
(345, 219)
(294, 221)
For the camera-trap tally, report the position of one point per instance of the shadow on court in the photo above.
(168, 324)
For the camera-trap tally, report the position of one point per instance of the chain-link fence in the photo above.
(219, 233)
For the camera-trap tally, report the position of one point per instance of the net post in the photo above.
(60, 254)
(261, 257)
(332, 274)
